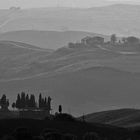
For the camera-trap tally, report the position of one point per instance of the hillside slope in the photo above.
(121, 117)
(14, 55)
(81, 79)
(87, 90)
(47, 39)
(119, 19)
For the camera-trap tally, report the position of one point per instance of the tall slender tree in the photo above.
(60, 109)
(40, 100)
(113, 39)
(3, 99)
(49, 103)
(23, 100)
(27, 101)
(4, 103)
(32, 101)
(18, 102)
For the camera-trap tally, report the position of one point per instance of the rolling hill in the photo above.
(15, 55)
(121, 19)
(47, 39)
(81, 79)
(61, 60)
(96, 88)
(121, 117)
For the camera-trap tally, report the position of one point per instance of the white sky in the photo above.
(62, 3)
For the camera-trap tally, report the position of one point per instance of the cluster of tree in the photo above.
(24, 101)
(97, 40)
(87, 42)
(44, 103)
(131, 40)
(125, 40)
(4, 103)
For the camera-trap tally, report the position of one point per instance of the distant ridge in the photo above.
(102, 20)
(122, 117)
(47, 39)
(24, 45)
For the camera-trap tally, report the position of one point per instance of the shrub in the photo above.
(63, 117)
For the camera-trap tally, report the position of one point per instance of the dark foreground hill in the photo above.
(76, 128)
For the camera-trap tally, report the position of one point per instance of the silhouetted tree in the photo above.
(46, 103)
(49, 103)
(18, 102)
(43, 103)
(60, 109)
(23, 100)
(27, 101)
(40, 100)
(45, 100)
(14, 105)
(32, 101)
(132, 40)
(113, 39)
(4, 103)
(3, 99)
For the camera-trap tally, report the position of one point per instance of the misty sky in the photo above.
(61, 3)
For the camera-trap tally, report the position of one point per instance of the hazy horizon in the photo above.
(4, 4)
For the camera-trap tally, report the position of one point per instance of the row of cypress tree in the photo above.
(26, 101)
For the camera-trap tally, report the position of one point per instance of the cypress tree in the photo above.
(46, 103)
(3, 99)
(40, 101)
(27, 100)
(43, 103)
(32, 101)
(4, 103)
(49, 103)
(60, 109)
(18, 102)
(23, 100)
